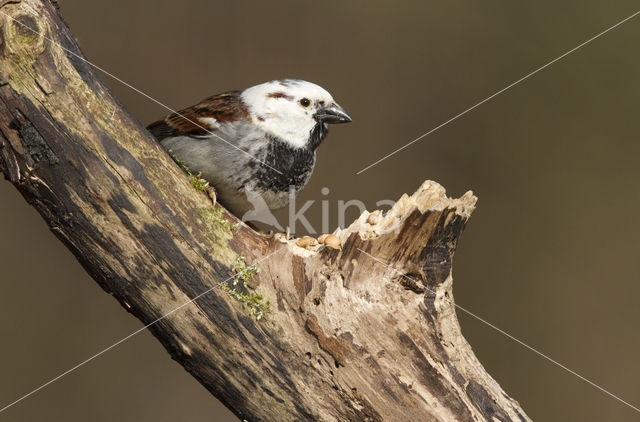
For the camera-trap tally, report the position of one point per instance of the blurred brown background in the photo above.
(550, 255)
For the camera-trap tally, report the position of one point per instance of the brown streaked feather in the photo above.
(280, 94)
(225, 107)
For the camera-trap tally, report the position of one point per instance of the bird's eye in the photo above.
(305, 102)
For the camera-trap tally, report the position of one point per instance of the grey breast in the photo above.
(227, 159)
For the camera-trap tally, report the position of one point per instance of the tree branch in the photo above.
(365, 332)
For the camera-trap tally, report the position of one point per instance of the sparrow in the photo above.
(259, 141)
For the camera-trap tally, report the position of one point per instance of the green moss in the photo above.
(214, 216)
(197, 182)
(25, 30)
(253, 301)
(240, 290)
(243, 273)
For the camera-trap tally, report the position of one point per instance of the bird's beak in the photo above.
(332, 114)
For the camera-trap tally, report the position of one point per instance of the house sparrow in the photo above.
(260, 141)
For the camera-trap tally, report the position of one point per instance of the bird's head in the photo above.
(292, 110)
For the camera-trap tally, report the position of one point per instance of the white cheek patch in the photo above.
(209, 122)
(275, 108)
(290, 125)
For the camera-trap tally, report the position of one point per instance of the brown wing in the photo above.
(225, 107)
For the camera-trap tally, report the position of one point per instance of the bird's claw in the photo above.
(211, 193)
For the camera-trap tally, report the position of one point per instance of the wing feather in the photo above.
(196, 121)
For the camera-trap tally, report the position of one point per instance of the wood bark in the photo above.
(367, 332)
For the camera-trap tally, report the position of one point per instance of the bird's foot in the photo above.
(211, 193)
